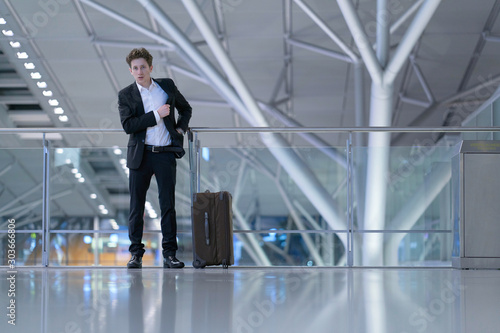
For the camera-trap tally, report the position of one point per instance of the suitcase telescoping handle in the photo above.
(207, 230)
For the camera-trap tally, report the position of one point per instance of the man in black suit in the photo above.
(155, 140)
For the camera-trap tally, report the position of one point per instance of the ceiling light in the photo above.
(81, 180)
(42, 84)
(59, 150)
(63, 118)
(104, 211)
(101, 207)
(78, 175)
(58, 110)
(29, 65)
(93, 196)
(8, 33)
(22, 55)
(117, 151)
(53, 102)
(15, 45)
(36, 75)
(74, 170)
(2, 20)
(47, 93)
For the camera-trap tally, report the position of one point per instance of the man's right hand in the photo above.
(164, 110)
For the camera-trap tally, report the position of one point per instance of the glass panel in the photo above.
(424, 249)
(21, 186)
(81, 249)
(27, 247)
(290, 249)
(417, 198)
(496, 118)
(266, 197)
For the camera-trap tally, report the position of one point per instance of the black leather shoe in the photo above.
(172, 262)
(135, 262)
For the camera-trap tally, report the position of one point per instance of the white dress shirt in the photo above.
(152, 99)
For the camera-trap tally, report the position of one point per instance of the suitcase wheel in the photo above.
(198, 264)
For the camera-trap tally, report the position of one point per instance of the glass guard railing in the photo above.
(297, 201)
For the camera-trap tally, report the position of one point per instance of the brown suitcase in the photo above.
(212, 224)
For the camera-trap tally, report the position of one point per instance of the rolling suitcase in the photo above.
(212, 224)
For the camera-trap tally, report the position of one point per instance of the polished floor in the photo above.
(378, 300)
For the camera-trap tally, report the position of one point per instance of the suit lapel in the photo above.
(136, 98)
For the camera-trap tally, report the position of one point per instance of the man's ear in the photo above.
(130, 69)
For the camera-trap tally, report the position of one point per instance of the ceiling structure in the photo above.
(286, 53)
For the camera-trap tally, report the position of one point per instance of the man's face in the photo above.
(140, 70)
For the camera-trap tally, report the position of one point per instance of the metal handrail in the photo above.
(271, 129)
(343, 129)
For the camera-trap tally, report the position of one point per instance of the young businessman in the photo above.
(155, 140)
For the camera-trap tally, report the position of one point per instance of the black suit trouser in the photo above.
(163, 166)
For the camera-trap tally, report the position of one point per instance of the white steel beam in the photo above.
(361, 40)
(409, 39)
(323, 26)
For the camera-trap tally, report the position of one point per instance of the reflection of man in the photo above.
(135, 302)
(155, 141)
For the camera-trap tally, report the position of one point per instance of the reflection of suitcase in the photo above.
(212, 219)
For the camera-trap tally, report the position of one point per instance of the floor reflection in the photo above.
(65, 300)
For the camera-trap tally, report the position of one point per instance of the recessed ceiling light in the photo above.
(53, 102)
(29, 65)
(22, 55)
(47, 93)
(15, 45)
(63, 118)
(8, 33)
(93, 196)
(2, 20)
(36, 75)
(58, 110)
(42, 84)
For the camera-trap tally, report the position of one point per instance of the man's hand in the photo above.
(164, 110)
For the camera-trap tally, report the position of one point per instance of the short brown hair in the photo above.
(139, 53)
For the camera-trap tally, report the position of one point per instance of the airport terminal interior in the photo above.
(359, 140)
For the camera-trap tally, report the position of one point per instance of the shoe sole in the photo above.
(168, 266)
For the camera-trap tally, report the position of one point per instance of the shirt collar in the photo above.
(151, 87)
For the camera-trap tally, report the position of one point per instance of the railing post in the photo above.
(349, 202)
(192, 165)
(198, 160)
(45, 203)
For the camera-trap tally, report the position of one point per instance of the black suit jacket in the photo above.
(135, 120)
